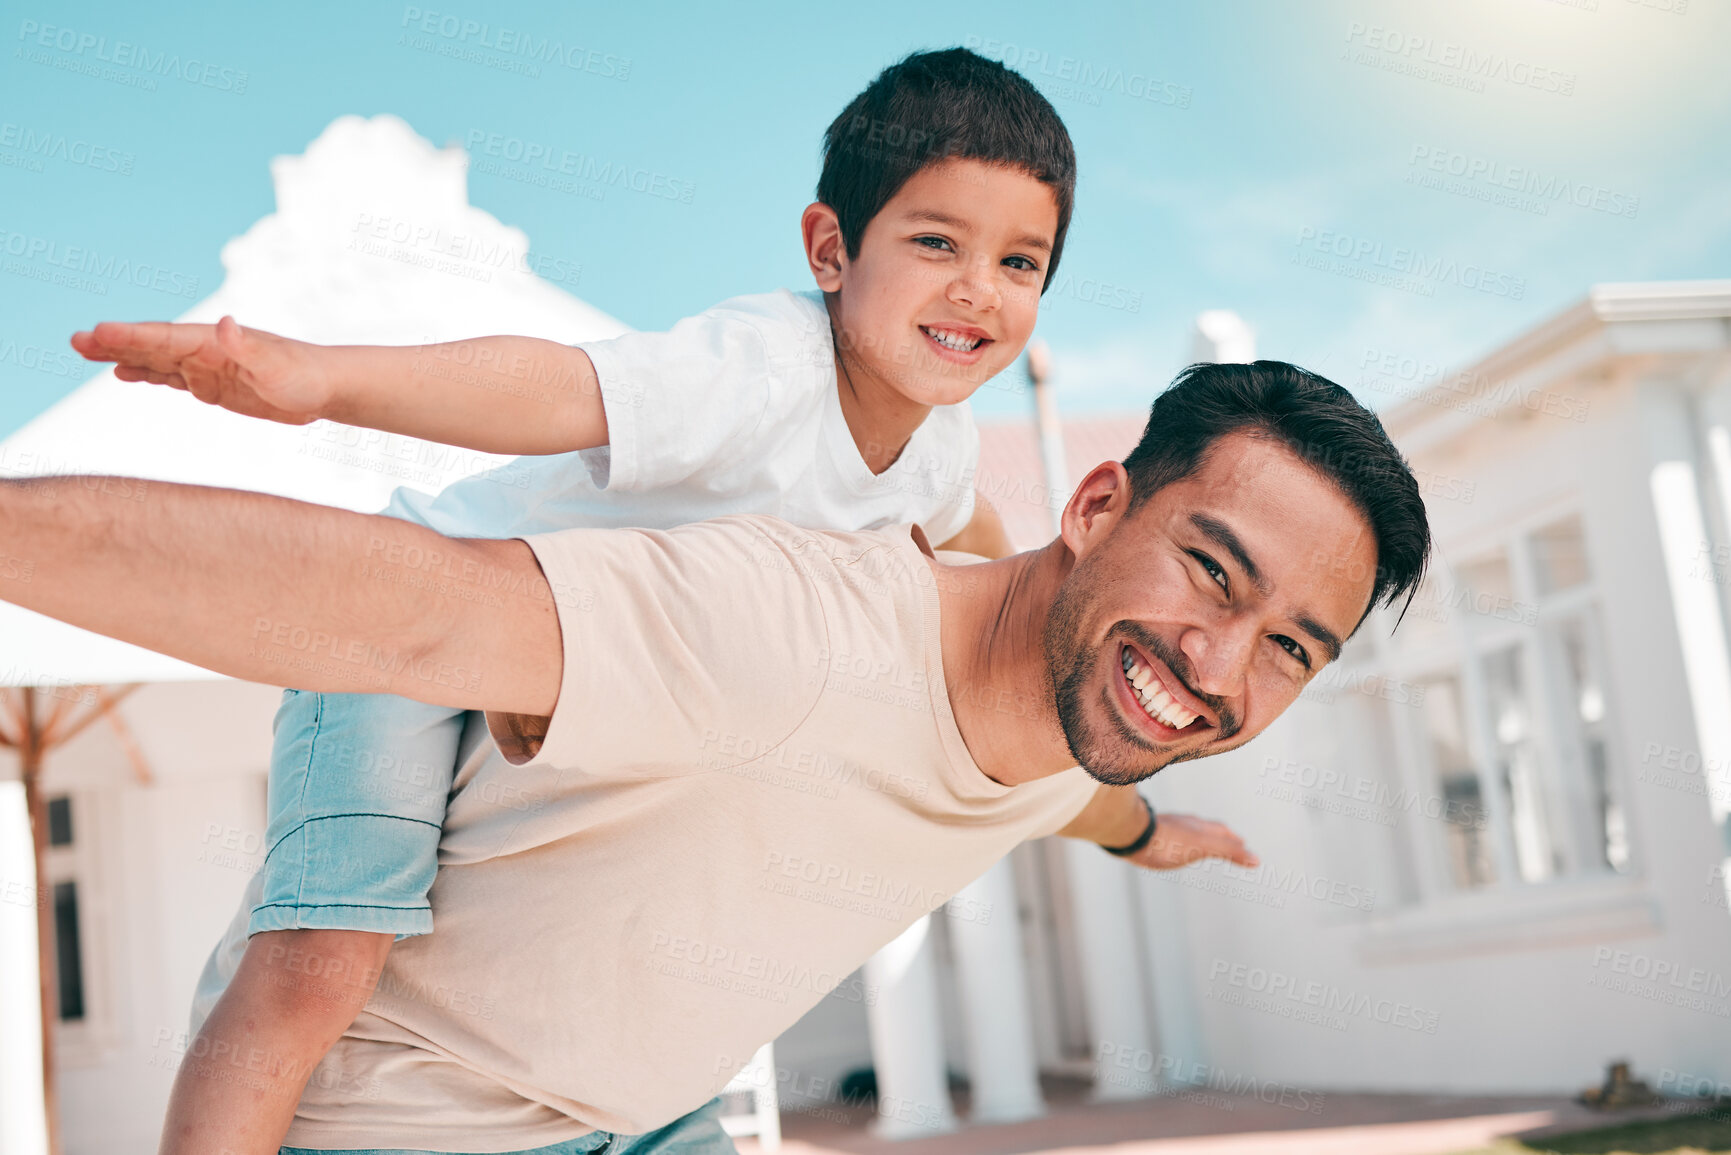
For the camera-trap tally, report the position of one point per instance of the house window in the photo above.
(67, 877)
(1462, 808)
(69, 961)
(1514, 732)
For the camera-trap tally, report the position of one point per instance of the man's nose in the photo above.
(1219, 657)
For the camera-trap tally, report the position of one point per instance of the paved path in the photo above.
(1209, 1123)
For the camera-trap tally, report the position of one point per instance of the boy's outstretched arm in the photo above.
(518, 395)
(294, 995)
(273, 590)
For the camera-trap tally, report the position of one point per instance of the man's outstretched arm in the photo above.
(286, 592)
(1115, 816)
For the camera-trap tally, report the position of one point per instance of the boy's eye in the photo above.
(932, 242)
(1022, 264)
(1293, 648)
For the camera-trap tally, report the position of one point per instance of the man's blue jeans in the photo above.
(698, 1133)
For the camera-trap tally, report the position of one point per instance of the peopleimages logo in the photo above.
(586, 170)
(78, 50)
(1458, 65)
(88, 269)
(1402, 263)
(1541, 187)
(464, 33)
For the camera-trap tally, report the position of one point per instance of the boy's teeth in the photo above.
(951, 340)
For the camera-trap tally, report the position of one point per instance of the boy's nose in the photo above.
(974, 289)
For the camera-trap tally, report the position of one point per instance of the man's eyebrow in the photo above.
(1321, 633)
(933, 216)
(1221, 534)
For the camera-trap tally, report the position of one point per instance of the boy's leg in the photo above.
(358, 784)
(241, 1078)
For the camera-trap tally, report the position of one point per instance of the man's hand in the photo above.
(249, 371)
(1180, 839)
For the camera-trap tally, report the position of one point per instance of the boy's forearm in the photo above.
(241, 1078)
(984, 535)
(516, 395)
(285, 592)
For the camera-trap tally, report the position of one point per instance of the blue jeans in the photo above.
(698, 1133)
(358, 784)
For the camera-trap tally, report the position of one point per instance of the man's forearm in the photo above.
(1115, 816)
(285, 592)
(518, 395)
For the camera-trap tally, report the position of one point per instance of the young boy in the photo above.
(942, 207)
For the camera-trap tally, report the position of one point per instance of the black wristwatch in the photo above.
(1146, 837)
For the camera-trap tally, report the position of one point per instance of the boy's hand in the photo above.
(1180, 839)
(249, 371)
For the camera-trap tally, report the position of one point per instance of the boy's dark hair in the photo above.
(935, 106)
(1315, 418)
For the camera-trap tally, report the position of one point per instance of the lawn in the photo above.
(1702, 1133)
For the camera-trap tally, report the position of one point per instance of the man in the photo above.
(683, 715)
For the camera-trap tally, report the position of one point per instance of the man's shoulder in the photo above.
(887, 554)
(755, 538)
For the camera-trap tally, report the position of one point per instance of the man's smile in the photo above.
(1166, 708)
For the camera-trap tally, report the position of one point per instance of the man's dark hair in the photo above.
(935, 106)
(1319, 421)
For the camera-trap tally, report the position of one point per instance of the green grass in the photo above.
(1703, 1133)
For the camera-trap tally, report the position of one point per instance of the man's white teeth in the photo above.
(1158, 704)
(951, 340)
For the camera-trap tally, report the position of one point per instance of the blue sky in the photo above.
(1358, 178)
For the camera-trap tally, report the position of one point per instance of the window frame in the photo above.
(85, 1041)
(1460, 652)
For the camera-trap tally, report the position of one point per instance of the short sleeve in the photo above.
(500, 502)
(685, 650)
(1071, 790)
(681, 402)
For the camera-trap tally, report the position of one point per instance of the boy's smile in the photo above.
(941, 296)
(945, 290)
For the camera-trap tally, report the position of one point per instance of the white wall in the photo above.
(1509, 978)
(170, 860)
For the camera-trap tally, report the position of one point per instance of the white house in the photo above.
(373, 240)
(1494, 841)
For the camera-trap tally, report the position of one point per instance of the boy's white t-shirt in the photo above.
(732, 411)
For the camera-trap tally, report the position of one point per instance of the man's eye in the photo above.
(932, 242)
(1213, 569)
(1293, 648)
(1024, 265)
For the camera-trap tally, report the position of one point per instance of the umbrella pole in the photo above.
(30, 766)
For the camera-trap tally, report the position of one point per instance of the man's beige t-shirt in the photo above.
(752, 780)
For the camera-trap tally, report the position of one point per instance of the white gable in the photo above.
(373, 241)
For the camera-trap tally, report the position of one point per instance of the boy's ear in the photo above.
(824, 250)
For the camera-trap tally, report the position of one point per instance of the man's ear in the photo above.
(1100, 502)
(825, 252)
